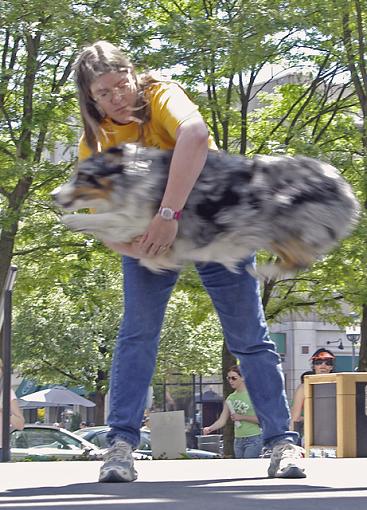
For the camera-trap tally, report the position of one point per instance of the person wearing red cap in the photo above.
(323, 362)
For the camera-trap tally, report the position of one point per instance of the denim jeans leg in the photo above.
(238, 447)
(236, 297)
(146, 297)
(253, 447)
(247, 447)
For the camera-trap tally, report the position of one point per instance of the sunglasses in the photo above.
(232, 378)
(328, 362)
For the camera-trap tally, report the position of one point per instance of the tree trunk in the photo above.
(11, 220)
(99, 400)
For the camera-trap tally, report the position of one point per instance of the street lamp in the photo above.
(353, 334)
(339, 341)
(5, 343)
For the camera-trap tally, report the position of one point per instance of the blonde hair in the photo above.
(93, 61)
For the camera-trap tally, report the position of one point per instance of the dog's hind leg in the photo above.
(294, 255)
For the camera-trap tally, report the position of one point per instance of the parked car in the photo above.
(97, 436)
(48, 442)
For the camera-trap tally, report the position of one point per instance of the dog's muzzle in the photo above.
(61, 198)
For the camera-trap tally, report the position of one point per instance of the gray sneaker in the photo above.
(118, 464)
(283, 461)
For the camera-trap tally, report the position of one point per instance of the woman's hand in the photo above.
(207, 430)
(236, 417)
(159, 237)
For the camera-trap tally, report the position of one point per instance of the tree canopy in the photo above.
(67, 298)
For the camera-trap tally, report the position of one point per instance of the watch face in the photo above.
(167, 213)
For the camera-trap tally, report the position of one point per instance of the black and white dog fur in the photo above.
(296, 207)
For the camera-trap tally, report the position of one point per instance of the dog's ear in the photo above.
(104, 163)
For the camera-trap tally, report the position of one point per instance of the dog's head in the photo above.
(96, 179)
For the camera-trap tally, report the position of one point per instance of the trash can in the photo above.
(336, 414)
(210, 443)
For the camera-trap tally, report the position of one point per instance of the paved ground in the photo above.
(332, 484)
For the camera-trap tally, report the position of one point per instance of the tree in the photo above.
(38, 112)
(237, 39)
(338, 29)
(65, 333)
(38, 43)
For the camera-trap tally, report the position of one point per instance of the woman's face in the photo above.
(323, 366)
(234, 379)
(116, 94)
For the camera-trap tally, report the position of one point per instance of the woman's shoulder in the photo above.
(158, 88)
(238, 394)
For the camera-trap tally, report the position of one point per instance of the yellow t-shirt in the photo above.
(170, 107)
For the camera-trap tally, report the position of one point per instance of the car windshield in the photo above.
(144, 441)
(99, 438)
(43, 438)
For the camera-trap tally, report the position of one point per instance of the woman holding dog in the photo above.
(117, 105)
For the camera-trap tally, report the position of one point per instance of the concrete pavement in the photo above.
(332, 484)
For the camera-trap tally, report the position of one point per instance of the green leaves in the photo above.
(67, 297)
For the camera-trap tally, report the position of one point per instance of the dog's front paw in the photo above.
(74, 222)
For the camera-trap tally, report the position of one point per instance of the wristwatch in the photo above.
(169, 214)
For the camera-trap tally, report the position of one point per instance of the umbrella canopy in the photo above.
(56, 396)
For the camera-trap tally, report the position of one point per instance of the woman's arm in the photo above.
(16, 416)
(297, 407)
(221, 421)
(188, 160)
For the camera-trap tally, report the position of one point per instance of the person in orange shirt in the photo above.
(118, 105)
(322, 362)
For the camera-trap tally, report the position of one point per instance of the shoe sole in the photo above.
(114, 476)
(290, 472)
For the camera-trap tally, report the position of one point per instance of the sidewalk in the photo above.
(334, 484)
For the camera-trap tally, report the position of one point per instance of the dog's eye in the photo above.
(90, 179)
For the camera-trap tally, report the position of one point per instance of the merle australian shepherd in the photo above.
(295, 207)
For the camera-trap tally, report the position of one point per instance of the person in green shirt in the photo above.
(238, 406)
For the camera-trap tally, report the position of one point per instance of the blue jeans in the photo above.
(248, 447)
(236, 298)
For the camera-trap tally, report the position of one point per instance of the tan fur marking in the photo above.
(294, 255)
(93, 193)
